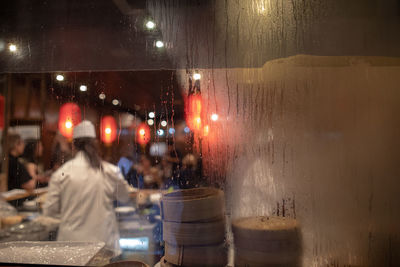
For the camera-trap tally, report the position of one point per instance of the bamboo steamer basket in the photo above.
(193, 205)
(251, 258)
(214, 255)
(266, 241)
(256, 231)
(194, 234)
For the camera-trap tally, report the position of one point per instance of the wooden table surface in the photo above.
(36, 192)
(41, 191)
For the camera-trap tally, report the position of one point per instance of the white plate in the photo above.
(125, 210)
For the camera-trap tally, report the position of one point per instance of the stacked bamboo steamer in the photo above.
(194, 227)
(266, 241)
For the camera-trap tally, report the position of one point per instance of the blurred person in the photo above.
(134, 179)
(18, 176)
(31, 158)
(129, 156)
(174, 157)
(130, 168)
(61, 151)
(189, 162)
(149, 174)
(189, 176)
(171, 165)
(82, 192)
(165, 168)
(143, 175)
(125, 163)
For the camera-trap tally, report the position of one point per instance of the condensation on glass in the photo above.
(301, 102)
(306, 94)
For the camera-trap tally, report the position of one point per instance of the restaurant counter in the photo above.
(139, 224)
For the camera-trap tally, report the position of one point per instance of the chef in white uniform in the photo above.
(82, 191)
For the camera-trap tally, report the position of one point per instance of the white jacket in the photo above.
(82, 198)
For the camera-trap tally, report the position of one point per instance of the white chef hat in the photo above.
(84, 129)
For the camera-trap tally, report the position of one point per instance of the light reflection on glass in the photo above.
(159, 44)
(197, 76)
(150, 25)
(12, 48)
(160, 132)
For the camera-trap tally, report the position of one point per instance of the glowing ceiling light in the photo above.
(214, 117)
(83, 88)
(68, 124)
(102, 96)
(142, 132)
(159, 44)
(115, 102)
(12, 48)
(171, 130)
(150, 25)
(151, 114)
(150, 122)
(107, 130)
(164, 123)
(60, 77)
(160, 132)
(197, 76)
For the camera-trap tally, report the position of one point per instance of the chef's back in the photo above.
(81, 194)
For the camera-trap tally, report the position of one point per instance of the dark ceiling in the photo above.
(98, 35)
(74, 35)
(78, 38)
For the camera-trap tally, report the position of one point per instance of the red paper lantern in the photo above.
(143, 134)
(108, 129)
(70, 115)
(206, 130)
(194, 115)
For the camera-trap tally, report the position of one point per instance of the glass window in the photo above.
(200, 133)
